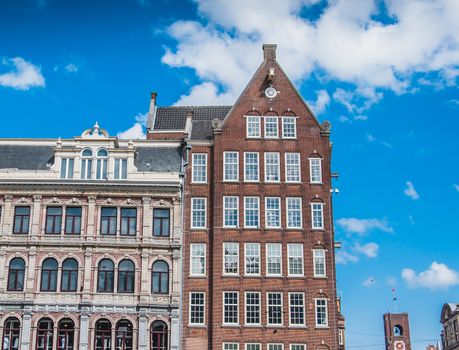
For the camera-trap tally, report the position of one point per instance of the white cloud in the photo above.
(391, 281)
(346, 43)
(456, 187)
(437, 276)
(137, 130)
(369, 282)
(71, 68)
(370, 138)
(23, 76)
(320, 105)
(363, 226)
(370, 250)
(342, 257)
(410, 191)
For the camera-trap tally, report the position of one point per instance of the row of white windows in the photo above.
(253, 309)
(272, 173)
(252, 260)
(257, 346)
(251, 218)
(271, 127)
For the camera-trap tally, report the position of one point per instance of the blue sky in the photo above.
(383, 72)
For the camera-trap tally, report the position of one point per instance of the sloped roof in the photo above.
(158, 159)
(30, 157)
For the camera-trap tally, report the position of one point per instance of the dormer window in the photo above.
(120, 169)
(102, 164)
(86, 164)
(66, 168)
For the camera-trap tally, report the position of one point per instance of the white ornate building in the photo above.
(90, 243)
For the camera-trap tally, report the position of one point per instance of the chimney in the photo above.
(269, 52)
(153, 101)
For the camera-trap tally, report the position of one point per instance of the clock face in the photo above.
(271, 92)
(399, 345)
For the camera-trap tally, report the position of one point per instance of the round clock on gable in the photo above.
(271, 92)
(399, 345)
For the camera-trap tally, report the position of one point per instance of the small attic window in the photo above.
(102, 153)
(398, 331)
(87, 153)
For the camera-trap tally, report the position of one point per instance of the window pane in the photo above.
(272, 167)
(294, 217)
(288, 127)
(251, 166)
(253, 126)
(199, 168)
(252, 258)
(231, 166)
(292, 167)
(198, 215)
(231, 258)
(251, 208)
(274, 258)
(231, 212)
(272, 211)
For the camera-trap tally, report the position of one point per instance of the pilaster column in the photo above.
(26, 330)
(143, 330)
(84, 329)
(177, 232)
(35, 228)
(147, 218)
(90, 228)
(3, 280)
(87, 275)
(144, 277)
(176, 271)
(29, 285)
(6, 215)
(175, 330)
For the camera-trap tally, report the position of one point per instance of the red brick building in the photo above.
(258, 249)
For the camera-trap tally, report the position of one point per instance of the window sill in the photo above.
(197, 325)
(251, 276)
(275, 326)
(253, 326)
(297, 327)
(322, 327)
(198, 276)
(320, 277)
(224, 325)
(299, 277)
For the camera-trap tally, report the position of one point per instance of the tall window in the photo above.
(230, 307)
(124, 335)
(160, 278)
(67, 168)
(275, 346)
(315, 169)
(128, 221)
(197, 308)
(321, 312)
(230, 258)
(288, 127)
(159, 336)
(45, 334)
(53, 220)
(106, 274)
(21, 220)
(102, 164)
(198, 212)
(272, 212)
(295, 259)
(271, 127)
(274, 308)
(272, 167)
(65, 334)
(294, 216)
(230, 346)
(103, 335)
(161, 222)
(297, 347)
(253, 346)
(199, 168)
(120, 169)
(69, 277)
(49, 275)
(317, 213)
(292, 167)
(231, 166)
(319, 263)
(198, 259)
(230, 211)
(16, 273)
(108, 221)
(252, 258)
(296, 316)
(11, 334)
(273, 259)
(252, 308)
(253, 126)
(126, 276)
(73, 220)
(251, 167)
(252, 212)
(86, 164)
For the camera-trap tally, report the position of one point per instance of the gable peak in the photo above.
(269, 52)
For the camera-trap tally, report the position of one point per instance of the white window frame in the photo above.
(203, 312)
(300, 211)
(276, 136)
(245, 212)
(122, 169)
(341, 336)
(313, 226)
(246, 306)
(294, 346)
(223, 308)
(256, 256)
(258, 167)
(311, 170)
(67, 174)
(275, 346)
(326, 312)
(231, 346)
(248, 118)
(266, 154)
(289, 248)
(225, 178)
(192, 226)
(192, 245)
(290, 310)
(294, 127)
(314, 257)
(298, 155)
(193, 170)
(225, 209)
(249, 344)
(282, 310)
(278, 210)
(280, 260)
(237, 260)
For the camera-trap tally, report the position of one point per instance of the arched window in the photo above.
(65, 334)
(49, 275)
(16, 275)
(160, 278)
(86, 164)
(106, 274)
(159, 336)
(69, 279)
(103, 336)
(11, 331)
(124, 335)
(398, 331)
(102, 164)
(126, 276)
(45, 334)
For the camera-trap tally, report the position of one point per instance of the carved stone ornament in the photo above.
(8, 198)
(92, 198)
(146, 200)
